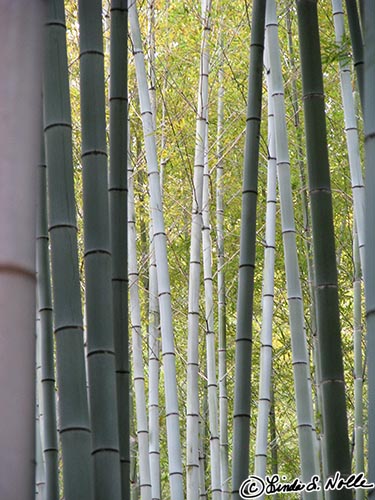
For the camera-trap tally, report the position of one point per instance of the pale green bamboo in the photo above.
(47, 396)
(242, 377)
(222, 361)
(192, 419)
(159, 239)
(154, 315)
(153, 373)
(138, 370)
(357, 43)
(118, 123)
(20, 110)
(202, 448)
(300, 357)
(98, 265)
(213, 418)
(265, 371)
(328, 320)
(358, 367)
(351, 131)
(74, 424)
(369, 123)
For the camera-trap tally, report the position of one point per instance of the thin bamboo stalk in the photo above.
(210, 332)
(74, 424)
(222, 361)
(159, 238)
(264, 401)
(242, 389)
(358, 367)
(40, 471)
(300, 357)
(118, 192)
(47, 396)
(138, 371)
(328, 321)
(351, 131)
(202, 449)
(20, 101)
(192, 419)
(369, 123)
(357, 43)
(98, 264)
(153, 374)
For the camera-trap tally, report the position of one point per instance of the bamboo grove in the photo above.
(187, 270)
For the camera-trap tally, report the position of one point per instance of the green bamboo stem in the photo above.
(137, 336)
(308, 247)
(20, 91)
(222, 357)
(47, 396)
(369, 123)
(242, 395)
(192, 420)
(202, 448)
(265, 372)
(98, 268)
(357, 44)
(68, 328)
(40, 472)
(358, 367)
(328, 321)
(351, 131)
(118, 192)
(300, 357)
(159, 239)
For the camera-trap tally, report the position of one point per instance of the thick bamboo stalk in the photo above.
(242, 394)
(138, 370)
(357, 43)
(40, 471)
(308, 244)
(192, 420)
(351, 131)
(118, 192)
(47, 397)
(264, 401)
(222, 361)
(328, 321)
(159, 238)
(369, 119)
(300, 357)
(358, 367)
(68, 328)
(20, 106)
(98, 270)
(213, 409)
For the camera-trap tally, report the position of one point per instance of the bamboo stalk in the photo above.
(357, 44)
(351, 131)
(210, 332)
(74, 424)
(138, 371)
(300, 357)
(242, 394)
(159, 238)
(20, 105)
(47, 396)
(264, 401)
(328, 321)
(118, 192)
(98, 265)
(369, 123)
(192, 419)
(358, 367)
(222, 358)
